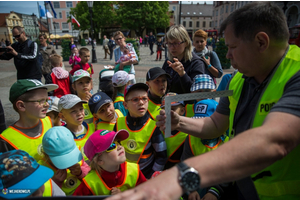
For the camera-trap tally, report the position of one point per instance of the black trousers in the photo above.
(151, 47)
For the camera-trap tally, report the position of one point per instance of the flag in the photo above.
(42, 11)
(75, 21)
(49, 15)
(49, 2)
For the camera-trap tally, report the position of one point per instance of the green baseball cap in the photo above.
(24, 85)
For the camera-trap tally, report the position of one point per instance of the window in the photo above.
(200, 13)
(191, 24)
(188, 13)
(197, 24)
(217, 12)
(56, 4)
(226, 8)
(204, 24)
(65, 25)
(238, 5)
(213, 13)
(68, 14)
(184, 24)
(56, 25)
(211, 24)
(181, 13)
(116, 6)
(232, 8)
(222, 10)
(69, 4)
(194, 13)
(242, 3)
(60, 15)
(174, 8)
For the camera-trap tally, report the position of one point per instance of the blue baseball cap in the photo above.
(58, 143)
(20, 171)
(202, 82)
(205, 108)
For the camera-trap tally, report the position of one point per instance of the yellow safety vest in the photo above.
(153, 109)
(189, 110)
(109, 125)
(81, 142)
(173, 143)
(18, 140)
(284, 182)
(71, 183)
(88, 115)
(119, 99)
(198, 148)
(137, 141)
(48, 189)
(98, 187)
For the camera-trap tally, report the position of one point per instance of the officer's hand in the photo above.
(161, 120)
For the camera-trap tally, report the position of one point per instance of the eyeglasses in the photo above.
(137, 99)
(41, 101)
(119, 39)
(174, 44)
(17, 36)
(113, 146)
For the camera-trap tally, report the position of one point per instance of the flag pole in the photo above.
(46, 14)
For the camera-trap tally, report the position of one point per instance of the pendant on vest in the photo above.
(131, 145)
(86, 112)
(40, 150)
(71, 181)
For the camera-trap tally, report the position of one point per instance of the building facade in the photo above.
(59, 25)
(7, 22)
(31, 25)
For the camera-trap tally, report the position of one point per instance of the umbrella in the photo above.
(160, 34)
(67, 36)
(52, 36)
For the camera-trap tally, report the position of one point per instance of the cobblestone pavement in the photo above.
(8, 74)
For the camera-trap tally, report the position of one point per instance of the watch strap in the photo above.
(182, 166)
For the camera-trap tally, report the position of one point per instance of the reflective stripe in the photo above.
(48, 189)
(146, 156)
(153, 109)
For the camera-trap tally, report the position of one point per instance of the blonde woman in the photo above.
(183, 65)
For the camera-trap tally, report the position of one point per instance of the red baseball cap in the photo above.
(100, 140)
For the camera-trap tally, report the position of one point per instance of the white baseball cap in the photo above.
(121, 78)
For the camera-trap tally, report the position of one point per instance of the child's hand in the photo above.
(60, 175)
(209, 196)
(88, 95)
(194, 196)
(115, 190)
(75, 170)
(177, 66)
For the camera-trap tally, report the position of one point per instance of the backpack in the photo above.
(39, 55)
(81, 67)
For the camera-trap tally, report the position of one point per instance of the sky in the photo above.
(29, 7)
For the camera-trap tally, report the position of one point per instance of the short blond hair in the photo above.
(178, 32)
(55, 60)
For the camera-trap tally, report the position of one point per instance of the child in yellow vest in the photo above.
(110, 172)
(146, 145)
(71, 111)
(20, 171)
(29, 98)
(53, 112)
(102, 108)
(64, 158)
(175, 142)
(83, 86)
(119, 81)
(157, 82)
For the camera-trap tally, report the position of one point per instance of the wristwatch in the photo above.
(189, 178)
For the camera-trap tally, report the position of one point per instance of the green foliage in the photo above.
(221, 50)
(103, 15)
(66, 52)
(135, 46)
(139, 15)
(82, 42)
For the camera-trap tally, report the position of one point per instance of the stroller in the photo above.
(105, 82)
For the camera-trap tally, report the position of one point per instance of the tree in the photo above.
(139, 15)
(103, 15)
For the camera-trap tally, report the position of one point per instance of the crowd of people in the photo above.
(71, 140)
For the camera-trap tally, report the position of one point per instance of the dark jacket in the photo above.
(26, 60)
(183, 84)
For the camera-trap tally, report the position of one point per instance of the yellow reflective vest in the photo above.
(70, 184)
(173, 143)
(189, 110)
(88, 115)
(137, 141)
(18, 140)
(48, 189)
(153, 109)
(119, 99)
(284, 182)
(98, 187)
(108, 125)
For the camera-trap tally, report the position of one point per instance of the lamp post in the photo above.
(94, 58)
(55, 35)
(35, 24)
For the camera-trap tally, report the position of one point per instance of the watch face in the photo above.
(190, 181)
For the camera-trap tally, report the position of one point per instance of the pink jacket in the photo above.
(75, 61)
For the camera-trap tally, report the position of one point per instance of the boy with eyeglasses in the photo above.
(29, 98)
(145, 145)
